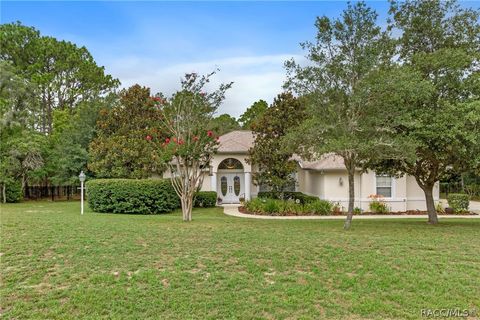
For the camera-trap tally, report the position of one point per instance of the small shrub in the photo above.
(254, 205)
(357, 211)
(337, 209)
(147, 196)
(13, 192)
(288, 195)
(439, 208)
(459, 202)
(271, 206)
(319, 207)
(377, 205)
(291, 207)
(205, 199)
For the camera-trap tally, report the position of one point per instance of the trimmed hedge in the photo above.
(459, 202)
(288, 195)
(205, 199)
(147, 196)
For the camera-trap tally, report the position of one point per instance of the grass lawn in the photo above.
(57, 264)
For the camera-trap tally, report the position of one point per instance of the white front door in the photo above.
(230, 186)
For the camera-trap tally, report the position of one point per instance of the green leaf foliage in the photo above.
(205, 199)
(459, 202)
(253, 114)
(275, 164)
(13, 192)
(345, 51)
(129, 137)
(132, 196)
(429, 99)
(224, 123)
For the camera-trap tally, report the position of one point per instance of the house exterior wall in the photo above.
(206, 186)
(406, 194)
(310, 182)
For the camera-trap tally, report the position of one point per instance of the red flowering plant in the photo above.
(191, 143)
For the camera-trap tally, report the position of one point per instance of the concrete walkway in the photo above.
(232, 210)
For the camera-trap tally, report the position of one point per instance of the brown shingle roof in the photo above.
(238, 141)
(327, 161)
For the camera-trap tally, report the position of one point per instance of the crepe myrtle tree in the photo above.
(190, 143)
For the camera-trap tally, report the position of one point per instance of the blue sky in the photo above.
(154, 43)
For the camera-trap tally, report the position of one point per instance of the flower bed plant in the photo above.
(377, 204)
(277, 207)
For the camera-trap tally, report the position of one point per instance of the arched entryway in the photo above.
(230, 181)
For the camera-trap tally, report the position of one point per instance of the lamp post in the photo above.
(82, 180)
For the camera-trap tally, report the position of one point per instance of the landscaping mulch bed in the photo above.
(399, 213)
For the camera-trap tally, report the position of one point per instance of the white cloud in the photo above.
(254, 77)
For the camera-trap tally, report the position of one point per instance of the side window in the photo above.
(384, 186)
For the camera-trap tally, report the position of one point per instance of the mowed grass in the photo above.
(56, 264)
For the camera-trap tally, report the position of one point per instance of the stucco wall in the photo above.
(406, 194)
(206, 186)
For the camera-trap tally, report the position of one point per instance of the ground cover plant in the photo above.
(57, 264)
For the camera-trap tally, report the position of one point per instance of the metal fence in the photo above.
(51, 192)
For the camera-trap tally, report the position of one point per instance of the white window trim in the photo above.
(393, 186)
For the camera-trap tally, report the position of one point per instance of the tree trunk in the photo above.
(351, 196)
(186, 208)
(432, 213)
(4, 193)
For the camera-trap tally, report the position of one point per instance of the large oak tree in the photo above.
(438, 52)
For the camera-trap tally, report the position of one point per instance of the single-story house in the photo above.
(231, 177)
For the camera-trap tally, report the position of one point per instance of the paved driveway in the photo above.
(475, 206)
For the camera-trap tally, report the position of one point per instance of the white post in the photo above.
(248, 181)
(81, 196)
(81, 177)
(213, 181)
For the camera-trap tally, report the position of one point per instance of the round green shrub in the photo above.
(147, 196)
(205, 199)
(459, 202)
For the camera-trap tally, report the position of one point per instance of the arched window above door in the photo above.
(229, 164)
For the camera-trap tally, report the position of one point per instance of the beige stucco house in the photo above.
(231, 177)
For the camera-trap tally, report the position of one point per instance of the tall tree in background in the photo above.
(70, 138)
(129, 136)
(20, 147)
(224, 123)
(438, 50)
(186, 118)
(345, 51)
(61, 74)
(275, 165)
(252, 114)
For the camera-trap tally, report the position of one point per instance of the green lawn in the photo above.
(57, 264)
